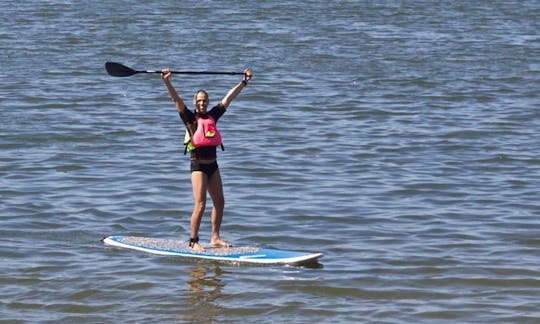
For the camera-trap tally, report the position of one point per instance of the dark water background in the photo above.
(401, 139)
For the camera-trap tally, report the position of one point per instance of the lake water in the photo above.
(400, 139)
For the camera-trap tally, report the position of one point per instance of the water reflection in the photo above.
(205, 291)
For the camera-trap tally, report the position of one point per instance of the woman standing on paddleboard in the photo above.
(204, 138)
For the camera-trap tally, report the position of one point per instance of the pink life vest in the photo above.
(206, 133)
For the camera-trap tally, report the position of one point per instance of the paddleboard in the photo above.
(241, 254)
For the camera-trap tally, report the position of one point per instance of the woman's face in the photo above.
(200, 102)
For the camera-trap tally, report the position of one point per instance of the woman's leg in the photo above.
(199, 184)
(215, 189)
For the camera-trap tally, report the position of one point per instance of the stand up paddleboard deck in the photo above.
(242, 254)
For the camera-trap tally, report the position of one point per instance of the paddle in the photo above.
(119, 70)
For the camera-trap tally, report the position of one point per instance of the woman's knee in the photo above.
(219, 202)
(199, 206)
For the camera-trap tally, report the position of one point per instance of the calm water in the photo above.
(401, 139)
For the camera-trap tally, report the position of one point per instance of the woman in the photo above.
(204, 139)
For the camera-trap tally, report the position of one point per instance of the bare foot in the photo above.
(196, 247)
(220, 244)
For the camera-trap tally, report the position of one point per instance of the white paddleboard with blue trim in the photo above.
(241, 254)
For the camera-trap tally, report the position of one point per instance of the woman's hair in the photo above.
(199, 91)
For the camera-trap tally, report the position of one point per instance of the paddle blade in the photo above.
(118, 70)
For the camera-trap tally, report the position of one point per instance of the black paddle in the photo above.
(119, 70)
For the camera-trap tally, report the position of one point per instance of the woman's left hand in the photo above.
(247, 74)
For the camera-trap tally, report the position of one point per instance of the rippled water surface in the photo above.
(400, 139)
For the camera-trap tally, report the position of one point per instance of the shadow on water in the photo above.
(311, 264)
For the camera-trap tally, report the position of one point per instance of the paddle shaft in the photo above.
(120, 70)
(195, 72)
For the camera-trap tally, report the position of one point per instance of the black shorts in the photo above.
(208, 169)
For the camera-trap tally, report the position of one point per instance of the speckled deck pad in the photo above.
(175, 245)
